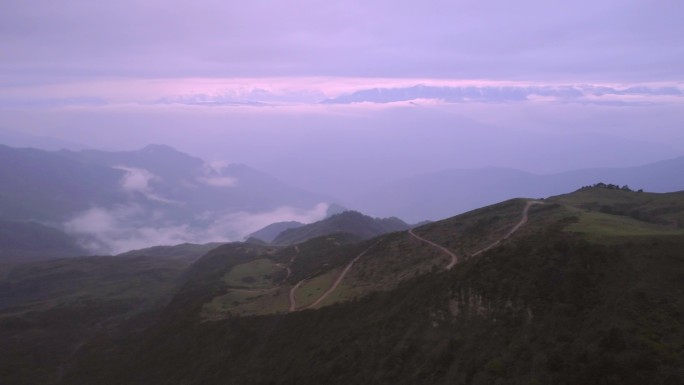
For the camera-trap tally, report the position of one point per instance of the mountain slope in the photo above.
(50, 309)
(48, 186)
(350, 222)
(24, 241)
(270, 232)
(546, 304)
(186, 251)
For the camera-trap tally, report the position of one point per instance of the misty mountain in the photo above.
(118, 201)
(270, 232)
(350, 222)
(185, 251)
(21, 139)
(435, 195)
(52, 186)
(24, 241)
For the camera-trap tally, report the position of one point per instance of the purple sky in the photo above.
(242, 82)
(598, 40)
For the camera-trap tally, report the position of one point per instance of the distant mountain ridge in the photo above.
(270, 232)
(350, 222)
(436, 195)
(117, 201)
(27, 241)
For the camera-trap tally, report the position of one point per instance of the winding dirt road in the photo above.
(339, 279)
(293, 303)
(455, 258)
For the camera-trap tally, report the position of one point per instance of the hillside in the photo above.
(186, 251)
(25, 241)
(554, 291)
(50, 309)
(270, 232)
(351, 222)
(48, 186)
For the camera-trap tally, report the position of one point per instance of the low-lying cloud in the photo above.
(129, 227)
(219, 181)
(137, 180)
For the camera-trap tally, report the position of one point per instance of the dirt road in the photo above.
(293, 303)
(454, 257)
(338, 280)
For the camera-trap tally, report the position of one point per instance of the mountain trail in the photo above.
(515, 228)
(455, 258)
(339, 279)
(293, 303)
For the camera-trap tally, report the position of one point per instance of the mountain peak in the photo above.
(157, 148)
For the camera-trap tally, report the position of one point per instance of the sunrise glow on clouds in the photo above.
(288, 92)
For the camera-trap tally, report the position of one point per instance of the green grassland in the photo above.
(313, 288)
(597, 226)
(247, 302)
(254, 274)
(663, 209)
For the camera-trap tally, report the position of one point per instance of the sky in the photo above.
(541, 86)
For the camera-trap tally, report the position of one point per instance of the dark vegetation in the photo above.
(185, 251)
(550, 305)
(663, 209)
(609, 186)
(351, 222)
(270, 232)
(549, 308)
(23, 241)
(49, 309)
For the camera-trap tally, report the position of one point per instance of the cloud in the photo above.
(214, 174)
(123, 228)
(219, 181)
(244, 223)
(138, 180)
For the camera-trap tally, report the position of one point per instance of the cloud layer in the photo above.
(119, 229)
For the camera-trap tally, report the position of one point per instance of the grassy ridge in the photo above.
(546, 308)
(587, 292)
